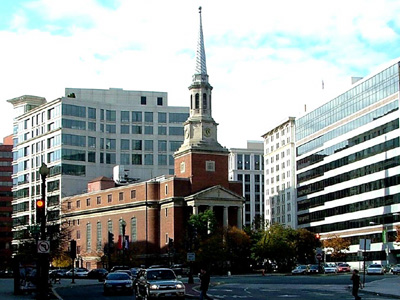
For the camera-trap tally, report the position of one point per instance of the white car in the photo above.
(330, 268)
(376, 269)
(78, 272)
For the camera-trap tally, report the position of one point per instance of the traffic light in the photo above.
(110, 239)
(170, 243)
(40, 210)
(73, 249)
(317, 236)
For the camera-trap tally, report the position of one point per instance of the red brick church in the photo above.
(156, 210)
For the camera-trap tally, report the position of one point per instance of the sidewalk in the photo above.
(389, 287)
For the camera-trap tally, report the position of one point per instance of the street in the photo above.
(325, 287)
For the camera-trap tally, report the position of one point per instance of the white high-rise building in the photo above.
(246, 166)
(84, 135)
(279, 173)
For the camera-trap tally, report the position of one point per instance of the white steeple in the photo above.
(200, 127)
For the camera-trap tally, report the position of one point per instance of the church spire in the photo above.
(201, 67)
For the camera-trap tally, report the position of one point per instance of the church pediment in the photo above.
(215, 194)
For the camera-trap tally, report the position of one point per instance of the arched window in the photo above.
(204, 101)
(197, 104)
(191, 103)
(133, 230)
(210, 102)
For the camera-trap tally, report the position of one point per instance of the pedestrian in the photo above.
(356, 284)
(204, 283)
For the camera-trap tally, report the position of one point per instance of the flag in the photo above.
(126, 242)
(119, 242)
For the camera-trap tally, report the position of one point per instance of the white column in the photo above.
(225, 221)
(195, 210)
(240, 218)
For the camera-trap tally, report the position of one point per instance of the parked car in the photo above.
(375, 269)
(99, 274)
(395, 269)
(118, 282)
(330, 268)
(314, 269)
(159, 283)
(60, 273)
(343, 268)
(301, 269)
(78, 272)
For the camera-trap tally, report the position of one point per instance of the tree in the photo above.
(278, 245)
(306, 243)
(238, 249)
(336, 245)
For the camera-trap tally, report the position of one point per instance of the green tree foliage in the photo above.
(278, 245)
(306, 243)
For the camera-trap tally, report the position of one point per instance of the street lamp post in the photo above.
(43, 257)
(123, 224)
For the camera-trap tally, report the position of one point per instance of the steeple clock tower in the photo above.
(201, 158)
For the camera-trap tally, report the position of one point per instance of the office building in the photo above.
(246, 166)
(84, 135)
(5, 203)
(279, 170)
(348, 166)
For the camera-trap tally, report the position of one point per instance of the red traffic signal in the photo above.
(317, 236)
(40, 211)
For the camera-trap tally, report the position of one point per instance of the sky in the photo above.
(267, 60)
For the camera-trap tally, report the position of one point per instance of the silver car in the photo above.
(330, 268)
(159, 283)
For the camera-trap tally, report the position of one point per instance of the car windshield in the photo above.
(160, 274)
(117, 276)
(375, 266)
(314, 267)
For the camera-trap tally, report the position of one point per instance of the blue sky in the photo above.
(266, 59)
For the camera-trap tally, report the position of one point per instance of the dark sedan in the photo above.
(118, 282)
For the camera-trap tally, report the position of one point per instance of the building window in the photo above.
(143, 100)
(166, 189)
(166, 212)
(78, 234)
(133, 230)
(78, 203)
(109, 198)
(110, 226)
(88, 202)
(98, 200)
(69, 205)
(159, 101)
(88, 237)
(182, 167)
(99, 237)
(210, 166)
(121, 196)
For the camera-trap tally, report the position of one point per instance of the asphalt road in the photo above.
(253, 287)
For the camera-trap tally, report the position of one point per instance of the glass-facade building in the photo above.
(348, 166)
(83, 136)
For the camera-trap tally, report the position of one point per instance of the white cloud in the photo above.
(266, 59)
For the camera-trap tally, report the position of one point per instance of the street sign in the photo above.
(191, 256)
(365, 244)
(319, 256)
(43, 247)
